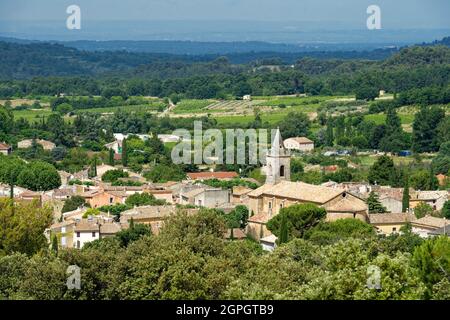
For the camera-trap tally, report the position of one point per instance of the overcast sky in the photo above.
(395, 13)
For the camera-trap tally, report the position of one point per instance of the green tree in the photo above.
(284, 237)
(366, 92)
(39, 176)
(143, 199)
(374, 204)
(124, 153)
(114, 175)
(422, 209)
(441, 163)
(341, 229)
(93, 168)
(423, 180)
(432, 260)
(55, 244)
(73, 203)
(426, 123)
(300, 218)
(295, 124)
(329, 135)
(164, 173)
(405, 196)
(111, 161)
(64, 108)
(22, 227)
(445, 212)
(383, 172)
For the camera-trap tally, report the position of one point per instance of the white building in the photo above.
(302, 144)
(424, 226)
(268, 243)
(85, 231)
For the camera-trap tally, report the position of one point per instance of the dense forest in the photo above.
(52, 69)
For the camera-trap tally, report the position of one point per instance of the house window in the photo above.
(93, 234)
(281, 206)
(111, 200)
(394, 229)
(78, 234)
(270, 205)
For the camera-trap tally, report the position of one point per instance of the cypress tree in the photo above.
(283, 230)
(329, 136)
(55, 244)
(124, 153)
(405, 199)
(111, 157)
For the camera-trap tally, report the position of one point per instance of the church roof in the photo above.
(298, 190)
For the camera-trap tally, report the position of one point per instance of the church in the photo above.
(279, 192)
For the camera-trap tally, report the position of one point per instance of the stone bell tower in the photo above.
(278, 161)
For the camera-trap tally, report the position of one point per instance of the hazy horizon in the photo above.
(281, 21)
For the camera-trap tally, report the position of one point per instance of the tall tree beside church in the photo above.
(124, 153)
(283, 230)
(405, 198)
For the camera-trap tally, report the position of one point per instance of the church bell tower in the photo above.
(278, 161)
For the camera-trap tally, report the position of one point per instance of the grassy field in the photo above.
(292, 101)
(156, 106)
(192, 106)
(380, 118)
(368, 161)
(31, 115)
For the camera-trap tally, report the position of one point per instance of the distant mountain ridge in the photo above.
(23, 59)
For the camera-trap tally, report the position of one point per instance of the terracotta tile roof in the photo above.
(241, 190)
(151, 212)
(298, 190)
(212, 175)
(237, 234)
(429, 195)
(348, 204)
(394, 193)
(441, 231)
(193, 193)
(86, 226)
(381, 218)
(110, 228)
(429, 221)
(4, 146)
(59, 225)
(118, 194)
(30, 194)
(260, 218)
(301, 140)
